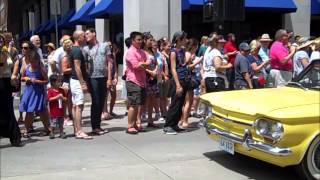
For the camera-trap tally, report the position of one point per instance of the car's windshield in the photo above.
(311, 78)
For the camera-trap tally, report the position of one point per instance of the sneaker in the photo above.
(169, 131)
(179, 130)
(68, 123)
(63, 135)
(144, 118)
(162, 119)
(196, 115)
(16, 142)
(157, 117)
(51, 135)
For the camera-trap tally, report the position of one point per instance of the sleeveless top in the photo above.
(181, 66)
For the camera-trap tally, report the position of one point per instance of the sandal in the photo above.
(26, 135)
(185, 125)
(131, 130)
(114, 115)
(109, 117)
(139, 128)
(99, 131)
(82, 135)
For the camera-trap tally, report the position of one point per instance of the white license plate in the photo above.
(226, 145)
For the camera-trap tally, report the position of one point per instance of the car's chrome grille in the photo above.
(231, 120)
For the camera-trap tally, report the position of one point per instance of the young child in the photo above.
(56, 98)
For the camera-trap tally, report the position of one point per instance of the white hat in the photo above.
(265, 37)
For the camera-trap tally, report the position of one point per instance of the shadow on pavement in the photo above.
(250, 167)
(115, 129)
(23, 143)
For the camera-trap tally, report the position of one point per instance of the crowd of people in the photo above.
(163, 79)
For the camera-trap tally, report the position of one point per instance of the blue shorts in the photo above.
(196, 91)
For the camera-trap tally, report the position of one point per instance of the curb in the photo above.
(118, 102)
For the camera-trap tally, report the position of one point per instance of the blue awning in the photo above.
(51, 25)
(273, 5)
(29, 34)
(106, 7)
(64, 21)
(23, 36)
(42, 27)
(276, 5)
(82, 14)
(315, 7)
(37, 29)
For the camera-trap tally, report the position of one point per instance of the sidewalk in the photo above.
(119, 156)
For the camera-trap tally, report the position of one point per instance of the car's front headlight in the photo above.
(269, 129)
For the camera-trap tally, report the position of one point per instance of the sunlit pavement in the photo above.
(117, 155)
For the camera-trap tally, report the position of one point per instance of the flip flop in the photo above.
(131, 131)
(99, 132)
(82, 135)
(139, 128)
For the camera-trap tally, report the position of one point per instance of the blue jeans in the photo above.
(97, 88)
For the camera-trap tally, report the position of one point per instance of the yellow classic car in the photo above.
(280, 126)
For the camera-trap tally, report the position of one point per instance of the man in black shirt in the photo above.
(78, 83)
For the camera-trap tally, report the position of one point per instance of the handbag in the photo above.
(261, 81)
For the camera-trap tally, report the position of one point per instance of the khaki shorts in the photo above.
(136, 95)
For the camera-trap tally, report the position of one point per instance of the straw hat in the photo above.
(316, 42)
(306, 44)
(302, 40)
(265, 37)
(51, 45)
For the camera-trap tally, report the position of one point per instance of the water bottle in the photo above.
(60, 103)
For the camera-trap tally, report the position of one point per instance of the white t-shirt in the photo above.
(208, 64)
(315, 55)
(297, 65)
(57, 57)
(50, 59)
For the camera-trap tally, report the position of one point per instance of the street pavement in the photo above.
(116, 155)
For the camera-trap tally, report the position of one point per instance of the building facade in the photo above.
(161, 17)
(3, 15)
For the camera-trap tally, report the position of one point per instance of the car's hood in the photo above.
(262, 101)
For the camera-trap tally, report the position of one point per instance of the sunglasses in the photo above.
(25, 47)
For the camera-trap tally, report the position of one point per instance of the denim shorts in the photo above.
(196, 91)
(56, 122)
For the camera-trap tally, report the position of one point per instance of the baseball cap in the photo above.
(244, 46)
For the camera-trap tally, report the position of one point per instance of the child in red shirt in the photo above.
(56, 98)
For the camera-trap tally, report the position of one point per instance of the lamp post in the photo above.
(55, 10)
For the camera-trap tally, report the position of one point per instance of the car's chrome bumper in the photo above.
(247, 141)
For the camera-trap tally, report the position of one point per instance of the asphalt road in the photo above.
(151, 155)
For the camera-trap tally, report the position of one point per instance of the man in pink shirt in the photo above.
(281, 59)
(135, 81)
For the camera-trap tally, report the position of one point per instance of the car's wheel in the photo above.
(309, 167)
